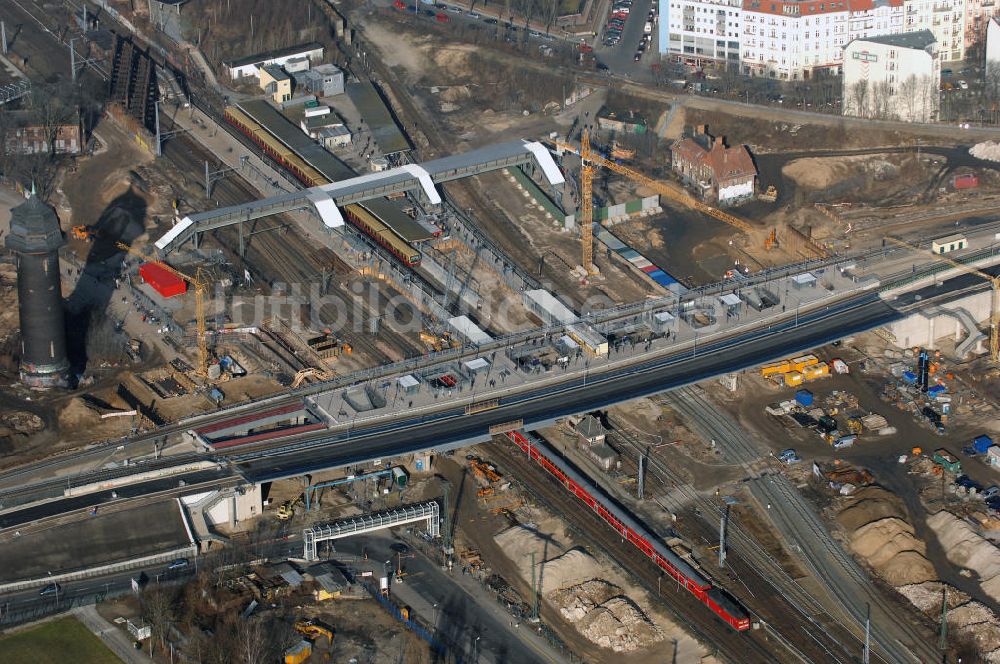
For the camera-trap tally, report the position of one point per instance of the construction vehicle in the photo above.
(994, 283)
(589, 159)
(86, 233)
(200, 289)
(485, 492)
(314, 630)
(771, 195)
(311, 372)
(438, 342)
(485, 471)
(855, 426)
(772, 240)
(286, 510)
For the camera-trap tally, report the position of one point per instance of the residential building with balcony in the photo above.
(698, 32)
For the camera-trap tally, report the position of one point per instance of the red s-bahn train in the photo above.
(676, 567)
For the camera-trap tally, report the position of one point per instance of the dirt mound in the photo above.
(22, 422)
(966, 548)
(870, 504)
(890, 547)
(573, 567)
(988, 150)
(76, 414)
(606, 617)
(977, 621)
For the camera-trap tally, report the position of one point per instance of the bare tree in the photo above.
(882, 101)
(251, 641)
(159, 611)
(858, 98)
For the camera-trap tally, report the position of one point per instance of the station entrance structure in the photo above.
(326, 199)
(429, 512)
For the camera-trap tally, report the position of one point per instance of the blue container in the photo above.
(804, 397)
(935, 390)
(982, 443)
(909, 377)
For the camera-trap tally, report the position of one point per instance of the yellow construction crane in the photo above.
(993, 281)
(587, 202)
(589, 159)
(200, 288)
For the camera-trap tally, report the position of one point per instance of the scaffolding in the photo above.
(429, 512)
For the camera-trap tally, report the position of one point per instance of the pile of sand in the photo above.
(988, 150)
(966, 548)
(76, 414)
(875, 522)
(606, 617)
(890, 547)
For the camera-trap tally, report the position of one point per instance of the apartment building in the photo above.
(946, 21)
(795, 39)
(700, 31)
(977, 16)
(892, 77)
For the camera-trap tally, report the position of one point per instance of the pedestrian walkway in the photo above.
(115, 638)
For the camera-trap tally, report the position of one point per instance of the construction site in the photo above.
(388, 275)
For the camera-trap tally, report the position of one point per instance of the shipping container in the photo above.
(298, 653)
(816, 371)
(967, 181)
(793, 379)
(982, 443)
(804, 397)
(162, 280)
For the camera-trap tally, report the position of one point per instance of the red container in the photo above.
(968, 181)
(162, 280)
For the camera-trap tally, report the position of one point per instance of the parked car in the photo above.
(991, 492)
(963, 85)
(180, 563)
(490, 21)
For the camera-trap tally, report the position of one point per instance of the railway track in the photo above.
(751, 647)
(826, 559)
(749, 563)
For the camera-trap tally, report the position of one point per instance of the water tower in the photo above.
(35, 238)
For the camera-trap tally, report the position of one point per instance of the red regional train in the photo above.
(676, 567)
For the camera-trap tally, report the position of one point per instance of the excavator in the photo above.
(314, 629)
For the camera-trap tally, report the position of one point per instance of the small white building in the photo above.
(893, 77)
(993, 455)
(250, 65)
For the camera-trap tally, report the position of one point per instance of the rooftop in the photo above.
(276, 72)
(590, 427)
(918, 40)
(272, 55)
(373, 111)
(34, 227)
